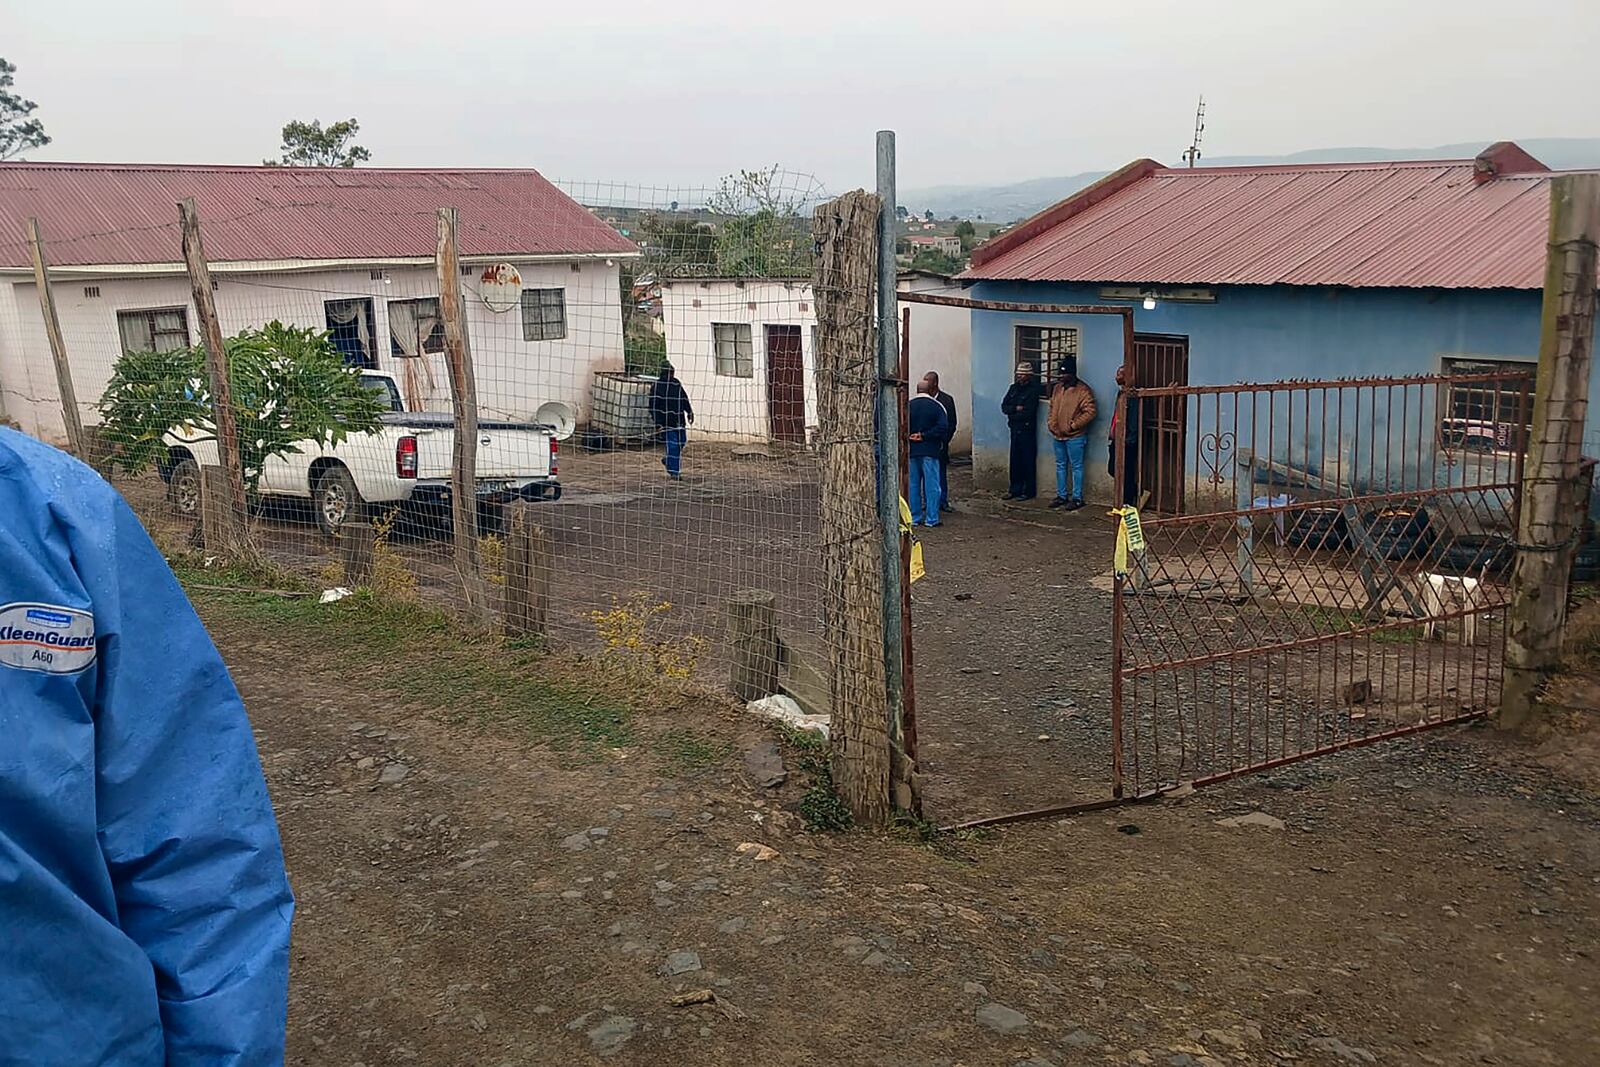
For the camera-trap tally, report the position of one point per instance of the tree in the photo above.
(927, 216)
(678, 248)
(764, 234)
(900, 212)
(307, 144)
(290, 386)
(936, 262)
(18, 132)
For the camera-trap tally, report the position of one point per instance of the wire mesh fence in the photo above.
(644, 372)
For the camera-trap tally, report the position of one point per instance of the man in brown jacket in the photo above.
(1071, 413)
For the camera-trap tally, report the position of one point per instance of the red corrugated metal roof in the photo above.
(101, 213)
(1443, 223)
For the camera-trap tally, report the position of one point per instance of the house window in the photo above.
(1489, 416)
(415, 327)
(154, 329)
(734, 353)
(1046, 347)
(544, 314)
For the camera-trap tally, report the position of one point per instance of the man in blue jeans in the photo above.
(1072, 411)
(927, 428)
(672, 412)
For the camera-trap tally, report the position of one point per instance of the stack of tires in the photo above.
(1586, 557)
(1319, 528)
(1400, 531)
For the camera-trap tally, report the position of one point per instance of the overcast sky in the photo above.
(664, 94)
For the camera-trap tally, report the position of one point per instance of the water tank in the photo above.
(621, 407)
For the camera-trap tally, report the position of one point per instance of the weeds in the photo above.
(628, 641)
(391, 576)
(687, 750)
(492, 559)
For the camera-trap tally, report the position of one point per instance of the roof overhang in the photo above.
(303, 266)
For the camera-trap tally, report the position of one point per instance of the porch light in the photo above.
(1149, 302)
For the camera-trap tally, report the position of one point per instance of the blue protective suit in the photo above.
(144, 911)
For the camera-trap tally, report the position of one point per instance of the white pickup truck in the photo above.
(406, 461)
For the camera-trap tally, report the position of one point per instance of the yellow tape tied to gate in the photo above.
(1130, 537)
(916, 546)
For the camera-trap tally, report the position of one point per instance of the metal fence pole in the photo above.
(890, 386)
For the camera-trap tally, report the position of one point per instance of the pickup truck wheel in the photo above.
(336, 500)
(492, 518)
(183, 487)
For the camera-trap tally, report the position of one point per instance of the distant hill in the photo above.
(1007, 203)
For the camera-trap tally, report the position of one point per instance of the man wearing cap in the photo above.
(1071, 412)
(1021, 409)
(672, 413)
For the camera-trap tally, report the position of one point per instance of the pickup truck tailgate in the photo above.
(506, 450)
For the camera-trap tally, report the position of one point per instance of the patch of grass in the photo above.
(1340, 621)
(821, 806)
(686, 750)
(418, 654)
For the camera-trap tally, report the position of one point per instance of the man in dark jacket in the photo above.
(947, 402)
(1021, 408)
(672, 412)
(925, 425)
(1127, 486)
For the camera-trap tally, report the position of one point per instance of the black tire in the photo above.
(183, 487)
(336, 501)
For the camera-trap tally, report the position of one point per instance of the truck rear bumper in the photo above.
(438, 493)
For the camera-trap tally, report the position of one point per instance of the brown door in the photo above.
(1158, 360)
(786, 385)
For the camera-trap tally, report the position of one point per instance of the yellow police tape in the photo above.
(1130, 537)
(916, 546)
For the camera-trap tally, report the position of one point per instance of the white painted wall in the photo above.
(513, 376)
(735, 409)
(725, 407)
(941, 340)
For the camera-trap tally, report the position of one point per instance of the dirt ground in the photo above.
(476, 891)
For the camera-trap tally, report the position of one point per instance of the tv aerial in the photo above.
(1192, 153)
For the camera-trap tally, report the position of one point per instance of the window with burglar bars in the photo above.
(154, 329)
(1486, 416)
(1046, 347)
(735, 356)
(544, 314)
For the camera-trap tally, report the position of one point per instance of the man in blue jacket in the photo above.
(926, 427)
(144, 911)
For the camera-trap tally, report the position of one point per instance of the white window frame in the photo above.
(733, 349)
(544, 326)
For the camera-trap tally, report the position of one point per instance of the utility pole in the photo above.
(1548, 516)
(1192, 154)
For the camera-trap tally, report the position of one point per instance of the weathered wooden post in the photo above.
(231, 533)
(753, 642)
(528, 568)
(70, 416)
(464, 402)
(216, 529)
(853, 535)
(357, 540)
(1548, 517)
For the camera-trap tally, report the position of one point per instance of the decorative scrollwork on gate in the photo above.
(1215, 450)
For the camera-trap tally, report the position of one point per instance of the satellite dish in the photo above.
(557, 416)
(500, 288)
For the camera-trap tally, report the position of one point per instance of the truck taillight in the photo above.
(555, 450)
(405, 457)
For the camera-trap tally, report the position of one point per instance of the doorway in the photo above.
(1161, 360)
(351, 329)
(786, 385)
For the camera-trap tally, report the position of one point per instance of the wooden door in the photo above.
(1159, 360)
(786, 385)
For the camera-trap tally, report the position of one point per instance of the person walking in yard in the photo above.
(1071, 411)
(672, 413)
(1021, 408)
(1126, 486)
(926, 425)
(146, 909)
(947, 402)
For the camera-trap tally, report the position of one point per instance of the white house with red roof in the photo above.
(1263, 273)
(346, 250)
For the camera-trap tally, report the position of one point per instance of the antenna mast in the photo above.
(1192, 153)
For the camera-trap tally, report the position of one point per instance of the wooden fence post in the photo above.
(852, 533)
(528, 569)
(216, 533)
(357, 540)
(1548, 517)
(464, 402)
(194, 257)
(70, 416)
(753, 641)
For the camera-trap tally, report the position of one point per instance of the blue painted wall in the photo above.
(1251, 333)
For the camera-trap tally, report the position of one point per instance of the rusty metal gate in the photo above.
(1333, 572)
